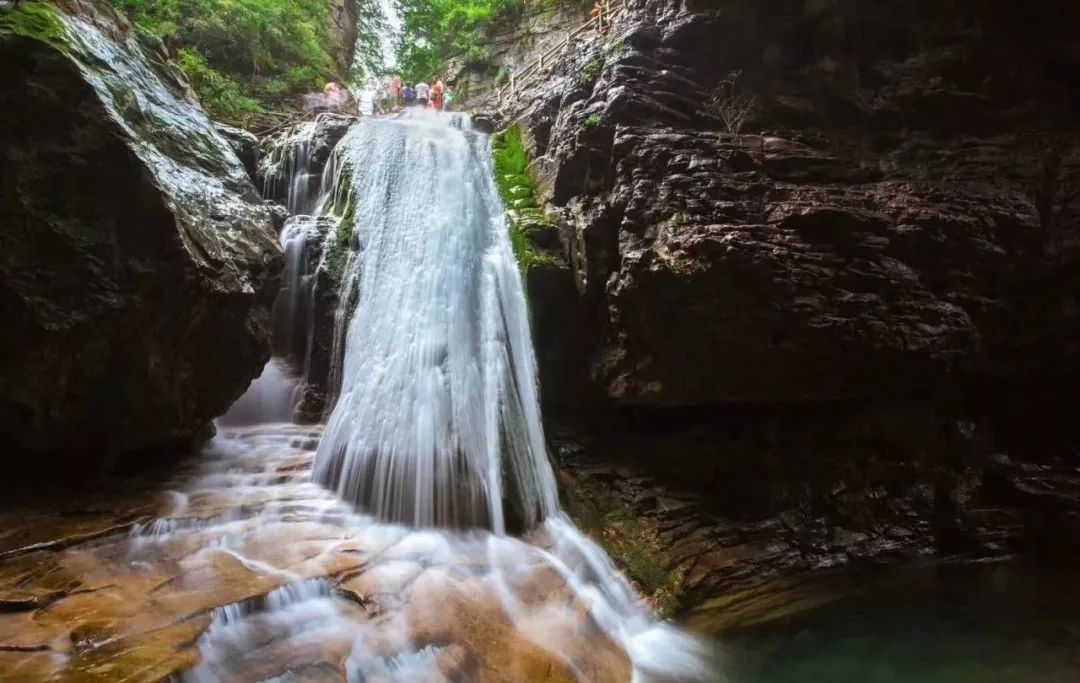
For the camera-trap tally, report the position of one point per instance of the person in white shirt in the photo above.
(367, 102)
(423, 92)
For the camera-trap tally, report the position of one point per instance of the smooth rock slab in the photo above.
(246, 570)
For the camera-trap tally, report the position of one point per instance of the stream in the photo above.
(416, 534)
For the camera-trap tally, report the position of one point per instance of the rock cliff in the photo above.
(138, 261)
(343, 15)
(840, 305)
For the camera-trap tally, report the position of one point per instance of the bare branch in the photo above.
(731, 105)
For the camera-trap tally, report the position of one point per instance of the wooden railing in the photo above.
(603, 13)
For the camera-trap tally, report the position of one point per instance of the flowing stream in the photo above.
(382, 539)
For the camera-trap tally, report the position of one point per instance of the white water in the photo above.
(270, 398)
(287, 174)
(438, 422)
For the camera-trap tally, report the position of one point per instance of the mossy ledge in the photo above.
(528, 224)
(36, 20)
(339, 248)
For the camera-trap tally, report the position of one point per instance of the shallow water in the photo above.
(240, 568)
(969, 624)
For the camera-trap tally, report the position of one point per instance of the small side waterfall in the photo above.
(287, 171)
(310, 191)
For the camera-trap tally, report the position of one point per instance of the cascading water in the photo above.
(437, 426)
(438, 422)
(438, 406)
(287, 173)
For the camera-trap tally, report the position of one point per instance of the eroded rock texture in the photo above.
(901, 215)
(848, 307)
(137, 261)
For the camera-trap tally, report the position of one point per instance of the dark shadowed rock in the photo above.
(485, 123)
(329, 129)
(137, 261)
(880, 230)
(826, 321)
(244, 144)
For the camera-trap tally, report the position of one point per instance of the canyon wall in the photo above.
(858, 308)
(138, 261)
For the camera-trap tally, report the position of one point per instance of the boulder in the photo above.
(306, 327)
(244, 144)
(137, 261)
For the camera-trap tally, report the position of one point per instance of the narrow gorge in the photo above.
(718, 341)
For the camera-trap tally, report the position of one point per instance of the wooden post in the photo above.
(541, 67)
(511, 84)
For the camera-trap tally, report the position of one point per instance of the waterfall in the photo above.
(438, 421)
(290, 174)
(437, 426)
(287, 170)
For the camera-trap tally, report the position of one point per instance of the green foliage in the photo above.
(342, 205)
(222, 96)
(510, 155)
(590, 71)
(593, 121)
(435, 30)
(338, 251)
(516, 187)
(35, 20)
(243, 55)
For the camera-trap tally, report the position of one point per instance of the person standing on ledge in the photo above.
(410, 95)
(437, 91)
(448, 99)
(395, 91)
(423, 92)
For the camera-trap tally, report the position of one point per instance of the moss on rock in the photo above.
(524, 220)
(36, 20)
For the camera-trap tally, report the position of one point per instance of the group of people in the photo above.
(435, 96)
(383, 96)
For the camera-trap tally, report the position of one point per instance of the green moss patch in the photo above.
(631, 540)
(527, 224)
(36, 20)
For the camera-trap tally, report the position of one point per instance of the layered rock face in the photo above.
(138, 262)
(343, 14)
(845, 306)
(904, 191)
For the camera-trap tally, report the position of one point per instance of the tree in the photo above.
(433, 31)
(732, 106)
(245, 55)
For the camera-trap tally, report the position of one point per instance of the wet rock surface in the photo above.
(134, 245)
(238, 567)
(870, 236)
(292, 161)
(307, 333)
(244, 144)
(839, 319)
(769, 543)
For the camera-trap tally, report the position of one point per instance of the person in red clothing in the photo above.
(437, 91)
